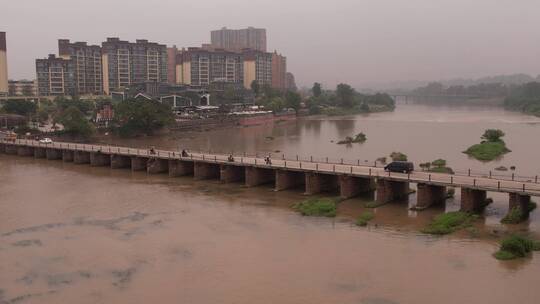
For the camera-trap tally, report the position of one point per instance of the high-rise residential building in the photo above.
(126, 63)
(257, 67)
(87, 62)
(279, 70)
(237, 40)
(4, 88)
(22, 87)
(202, 66)
(171, 64)
(55, 76)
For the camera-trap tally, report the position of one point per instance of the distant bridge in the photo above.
(314, 176)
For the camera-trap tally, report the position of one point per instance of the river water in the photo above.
(76, 234)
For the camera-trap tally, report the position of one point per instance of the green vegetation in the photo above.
(358, 138)
(515, 246)
(449, 222)
(75, 123)
(344, 100)
(135, 117)
(365, 218)
(437, 166)
(317, 207)
(19, 107)
(490, 148)
(525, 98)
(516, 215)
(398, 156)
(276, 100)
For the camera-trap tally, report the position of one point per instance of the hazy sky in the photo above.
(360, 42)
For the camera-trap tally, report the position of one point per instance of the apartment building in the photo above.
(126, 63)
(3, 65)
(237, 40)
(257, 67)
(205, 65)
(22, 87)
(55, 76)
(279, 71)
(87, 62)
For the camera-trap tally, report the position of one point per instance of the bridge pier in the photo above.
(519, 202)
(231, 174)
(11, 149)
(98, 159)
(157, 165)
(40, 152)
(289, 179)
(473, 200)
(67, 156)
(255, 176)
(351, 186)
(81, 157)
(138, 163)
(205, 170)
(2, 148)
(180, 168)
(389, 190)
(25, 151)
(53, 154)
(317, 183)
(428, 195)
(120, 161)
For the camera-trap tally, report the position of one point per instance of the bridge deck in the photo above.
(496, 184)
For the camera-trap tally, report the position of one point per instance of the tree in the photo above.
(493, 135)
(19, 107)
(75, 123)
(255, 87)
(345, 95)
(317, 89)
(142, 117)
(292, 100)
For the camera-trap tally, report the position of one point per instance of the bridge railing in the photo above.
(297, 162)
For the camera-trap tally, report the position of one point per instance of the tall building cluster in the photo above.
(236, 57)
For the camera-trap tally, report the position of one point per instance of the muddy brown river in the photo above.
(76, 234)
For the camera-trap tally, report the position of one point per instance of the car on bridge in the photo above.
(400, 166)
(46, 140)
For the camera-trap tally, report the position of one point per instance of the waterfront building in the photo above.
(290, 82)
(237, 40)
(171, 64)
(279, 71)
(203, 66)
(126, 63)
(22, 87)
(87, 63)
(257, 67)
(3, 65)
(55, 76)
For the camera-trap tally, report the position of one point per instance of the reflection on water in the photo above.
(77, 234)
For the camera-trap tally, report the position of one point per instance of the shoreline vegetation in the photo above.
(345, 100)
(492, 146)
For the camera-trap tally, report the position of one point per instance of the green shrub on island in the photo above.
(398, 156)
(449, 222)
(317, 207)
(490, 148)
(364, 218)
(516, 215)
(358, 138)
(515, 246)
(381, 160)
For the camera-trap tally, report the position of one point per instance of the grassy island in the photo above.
(364, 218)
(449, 222)
(490, 148)
(516, 246)
(358, 138)
(317, 207)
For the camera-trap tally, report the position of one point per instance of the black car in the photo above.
(400, 166)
